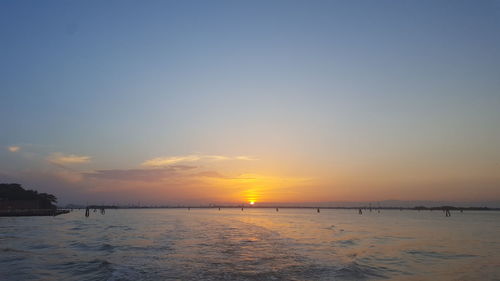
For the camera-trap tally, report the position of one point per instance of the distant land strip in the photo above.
(416, 208)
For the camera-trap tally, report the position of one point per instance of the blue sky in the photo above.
(404, 94)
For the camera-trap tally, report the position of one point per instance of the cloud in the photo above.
(245, 158)
(210, 174)
(14, 148)
(62, 159)
(166, 161)
(217, 175)
(142, 175)
(176, 172)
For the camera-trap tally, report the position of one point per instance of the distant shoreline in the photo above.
(417, 208)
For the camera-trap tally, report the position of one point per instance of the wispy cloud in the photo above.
(210, 174)
(62, 159)
(245, 158)
(167, 161)
(141, 175)
(14, 148)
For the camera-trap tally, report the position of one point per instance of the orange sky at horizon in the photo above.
(205, 179)
(170, 102)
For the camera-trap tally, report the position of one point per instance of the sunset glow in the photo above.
(286, 108)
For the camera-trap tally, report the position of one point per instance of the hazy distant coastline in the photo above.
(364, 207)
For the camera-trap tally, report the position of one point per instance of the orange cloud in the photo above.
(14, 148)
(61, 159)
(166, 161)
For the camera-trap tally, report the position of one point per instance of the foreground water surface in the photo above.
(254, 244)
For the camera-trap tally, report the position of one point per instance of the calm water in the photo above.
(257, 244)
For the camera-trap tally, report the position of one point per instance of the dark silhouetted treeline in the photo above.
(15, 192)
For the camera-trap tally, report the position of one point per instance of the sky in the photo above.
(198, 102)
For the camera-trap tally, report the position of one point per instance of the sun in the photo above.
(252, 203)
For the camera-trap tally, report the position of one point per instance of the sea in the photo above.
(253, 244)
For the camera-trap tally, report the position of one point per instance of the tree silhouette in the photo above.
(14, 191)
